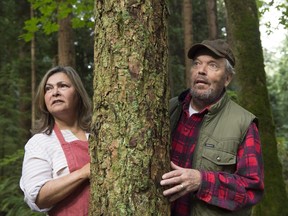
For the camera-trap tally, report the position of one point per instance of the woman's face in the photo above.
(60, 96)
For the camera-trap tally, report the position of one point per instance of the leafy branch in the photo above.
(48, 12)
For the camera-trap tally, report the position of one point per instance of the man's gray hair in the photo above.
(229, 68)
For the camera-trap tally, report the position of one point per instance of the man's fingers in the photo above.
(175, 167)
(172, 174)
(176, 189)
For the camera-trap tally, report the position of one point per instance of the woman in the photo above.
(56, 166)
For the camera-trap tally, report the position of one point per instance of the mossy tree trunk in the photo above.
(252, 93)
(130, 139)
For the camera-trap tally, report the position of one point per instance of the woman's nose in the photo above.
(55, 91)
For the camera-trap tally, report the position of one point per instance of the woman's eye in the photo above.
(48, 88)
(63, 86)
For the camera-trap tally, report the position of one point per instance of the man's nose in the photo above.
(202, 70)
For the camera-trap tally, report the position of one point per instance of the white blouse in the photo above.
(44, 160)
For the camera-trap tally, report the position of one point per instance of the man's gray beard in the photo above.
(208, 97)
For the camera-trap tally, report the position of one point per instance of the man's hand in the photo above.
(181, 181)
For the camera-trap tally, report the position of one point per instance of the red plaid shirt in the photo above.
(234, 191)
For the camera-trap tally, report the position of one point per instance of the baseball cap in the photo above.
(219, 47)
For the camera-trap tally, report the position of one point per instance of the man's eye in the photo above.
(213, 66)
(195, 63)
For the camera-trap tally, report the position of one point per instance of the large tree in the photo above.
(130, 129)
(252, 94)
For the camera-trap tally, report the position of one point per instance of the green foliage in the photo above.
(277, 86)
(282, 6)
(200, 24)
(176, 49)
(221, 19)
(12, 66)
(283, 155)
(11, 197)
(15, 90)
(48, 12)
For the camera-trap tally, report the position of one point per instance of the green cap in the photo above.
(219, 47)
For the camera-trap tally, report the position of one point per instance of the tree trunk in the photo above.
(24, 82)
(130, 128)
(66, 48)
(211, 7)
(188, 36)
(33, 75)
(253, 95)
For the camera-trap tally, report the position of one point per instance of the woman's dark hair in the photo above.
(45, 121)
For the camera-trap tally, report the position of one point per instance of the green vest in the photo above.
(223, 128)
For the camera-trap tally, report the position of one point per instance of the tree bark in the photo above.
(33, 75)
(252, 94)
(66, 48)
(211, 7)
(130, 127)
(188, 36)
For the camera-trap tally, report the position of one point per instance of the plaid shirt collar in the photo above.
(186, 98)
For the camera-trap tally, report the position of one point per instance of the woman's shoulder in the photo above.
(41, 140)
(42, 136)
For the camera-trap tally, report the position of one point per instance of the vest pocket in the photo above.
(217, 160)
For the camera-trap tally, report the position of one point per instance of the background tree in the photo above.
(33, 73)
(211, 8)
(66, 48)
(188, 36)
(129, 149)
(177, 76)
(253, 95)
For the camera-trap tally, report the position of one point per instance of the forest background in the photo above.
(31, 44)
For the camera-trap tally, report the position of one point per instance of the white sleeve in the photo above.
(36, 171)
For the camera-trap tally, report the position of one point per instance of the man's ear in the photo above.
(228, 79)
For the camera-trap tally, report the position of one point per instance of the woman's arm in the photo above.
(56, 190)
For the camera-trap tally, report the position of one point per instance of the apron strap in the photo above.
(59, 134)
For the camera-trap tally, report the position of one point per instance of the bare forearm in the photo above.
(58, 189)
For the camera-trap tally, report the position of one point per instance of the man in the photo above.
(216, 158)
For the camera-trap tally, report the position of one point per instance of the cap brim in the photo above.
(194, 49)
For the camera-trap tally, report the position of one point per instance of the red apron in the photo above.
(77, 155)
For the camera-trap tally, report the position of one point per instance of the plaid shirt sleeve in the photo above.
(243, 188)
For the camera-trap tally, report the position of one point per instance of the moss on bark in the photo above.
(130, 138)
